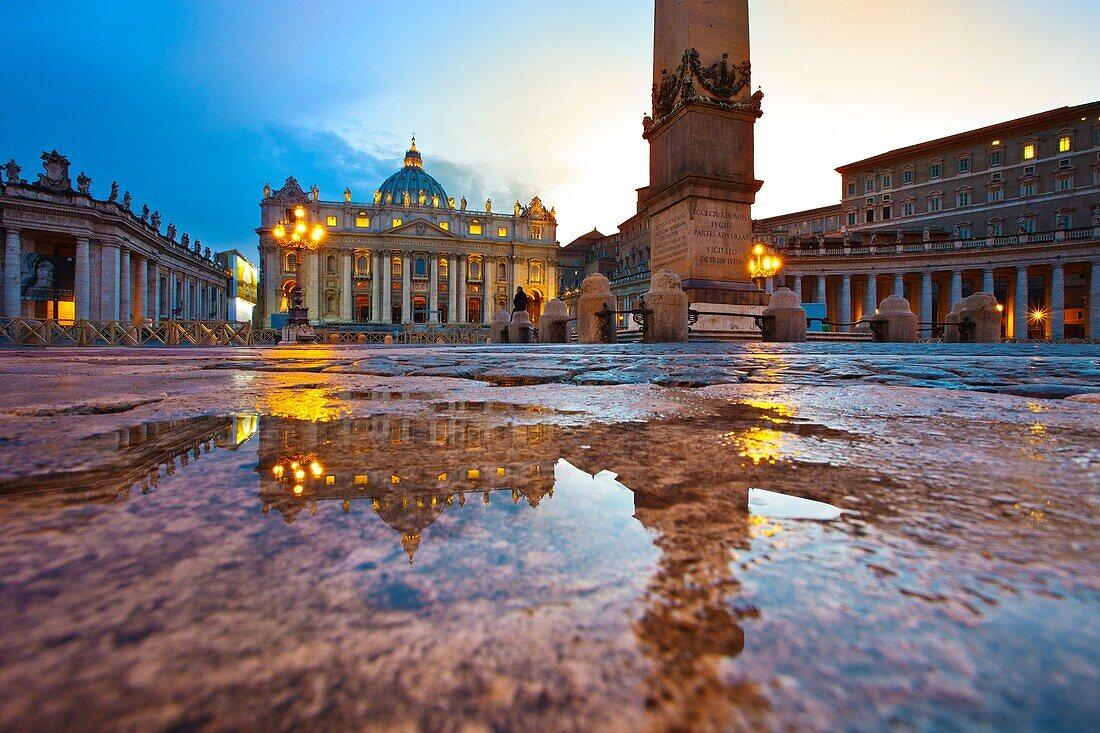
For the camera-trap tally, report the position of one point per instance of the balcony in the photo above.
(1012, 242)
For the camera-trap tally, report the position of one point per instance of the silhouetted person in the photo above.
(519, 303)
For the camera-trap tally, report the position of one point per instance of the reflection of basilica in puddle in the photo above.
(407, 470)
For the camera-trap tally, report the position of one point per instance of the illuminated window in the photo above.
(1064, 144)
(1029, 151)
(475, 227)
(445, 226)
(994, 158)
(362, 265)
(291, 262)
(536, 231)
(395, 267)
(331, 221)
(395, 223)
(444, 267)
(362, 221)
(502, 231)
(536, 273)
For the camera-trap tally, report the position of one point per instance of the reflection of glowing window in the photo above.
(395, 479)
(361, 478)
(330, 480)
(500, 471)
(473, 474)
(441, 477)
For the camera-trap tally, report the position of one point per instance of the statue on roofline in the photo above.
(114, 192)
(347, 194)
(126, 199)
(83, 183)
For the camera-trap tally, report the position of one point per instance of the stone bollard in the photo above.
(361, 338)
(788, 317)
(334, 338)
(554, 323)
(388, 339)
(498, 329)
(980, 310)
(520, 329)
(595, 297)
(895, 320)
(667, 304)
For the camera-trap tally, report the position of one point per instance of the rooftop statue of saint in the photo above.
(126, 200)
(463, 203)
(155, 220)
(314, 193)
(114, 192)
(12, 169)
(421, 197)
(488, 206)
(377, 197)
(347, 194)
(144, 212)
(83, 183)
(267, 190)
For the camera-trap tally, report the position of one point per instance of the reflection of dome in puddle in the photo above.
(409, 516)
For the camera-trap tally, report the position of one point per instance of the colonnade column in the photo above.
(461, 288)
(821, 289)
(1094, 301)
(406, 288)
(140, 293)
(1019, 305)
(870, 296)
(845, 314)
(12, 268)
(109, 282)
(153, 300)
(1057, 302)
(387, 287)
(377, 265)
(170, 299)
(926, 304)
(798, 287)
(956, 287)
(899, 284)
(125, 281)
(347, 297)
(987, 281)
(187, 304)
(433, 289)
(452, 294)
(82, 282)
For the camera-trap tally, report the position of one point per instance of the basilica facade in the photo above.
(410, 255)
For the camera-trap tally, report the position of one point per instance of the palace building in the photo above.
(410, 255)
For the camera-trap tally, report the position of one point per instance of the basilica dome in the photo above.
(412, 180)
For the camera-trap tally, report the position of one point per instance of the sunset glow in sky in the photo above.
(193, 106)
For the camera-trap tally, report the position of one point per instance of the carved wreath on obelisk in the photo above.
(717, 84)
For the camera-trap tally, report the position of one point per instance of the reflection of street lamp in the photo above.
(293, 235)
(296, 470)
(762, 266)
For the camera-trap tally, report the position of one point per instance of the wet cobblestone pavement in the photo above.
(551, 538)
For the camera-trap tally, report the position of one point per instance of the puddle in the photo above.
(772, 504)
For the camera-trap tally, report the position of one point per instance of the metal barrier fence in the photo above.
(51, 332)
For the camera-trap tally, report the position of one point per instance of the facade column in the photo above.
(82, 280)
(487, 304)
(13, 250)
(377, 265)
(987, 281)
(125, 283)
(926, 304)
(486, 300)
(140, 292)
(1057, 302)
(870, 296)
(845, 315)
(798, 287)
(387, 287)
(956, 287)
(462, 288)
(433, 289)
(821, 290)
(452, 293)
(109, 282)
(1094, 301)
(406, 288)
(347, 297)
(899, 284)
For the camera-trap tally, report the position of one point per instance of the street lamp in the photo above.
(762, 266)
(295, 234)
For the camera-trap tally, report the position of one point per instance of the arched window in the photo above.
(536, 272)
(330, 264)
(444, 268)
(395, 267)
(420, 266)
(475, 269)
(361, 265)
(502, 272)
(291, 262)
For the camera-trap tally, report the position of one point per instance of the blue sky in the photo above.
(193, 106)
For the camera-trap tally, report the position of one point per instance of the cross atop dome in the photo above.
(412, 156)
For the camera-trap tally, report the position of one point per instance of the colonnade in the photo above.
(1057, 299)
(112, 282)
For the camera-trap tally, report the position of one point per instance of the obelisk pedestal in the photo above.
(701, 149)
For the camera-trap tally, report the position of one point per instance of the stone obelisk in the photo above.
(701, 181)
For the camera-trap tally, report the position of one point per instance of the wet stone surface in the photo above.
(564, 541)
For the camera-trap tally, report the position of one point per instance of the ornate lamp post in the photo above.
(763, 266)
(296, 470)
(296, 235)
